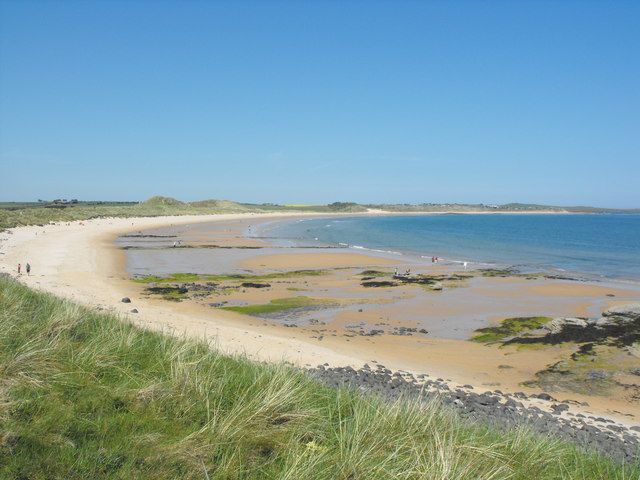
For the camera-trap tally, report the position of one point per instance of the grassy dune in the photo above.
(86, 395)
(154, 207)
(15, 214)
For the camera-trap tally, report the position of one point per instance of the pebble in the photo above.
(492, 407)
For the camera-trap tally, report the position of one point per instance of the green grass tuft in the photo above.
(84, 394)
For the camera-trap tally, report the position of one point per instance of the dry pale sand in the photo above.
(79, 261)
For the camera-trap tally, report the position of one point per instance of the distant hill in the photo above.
(223, 205)
(161, 201)
(346, 207)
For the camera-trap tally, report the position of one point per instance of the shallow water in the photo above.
(603, 245)
(151, 253)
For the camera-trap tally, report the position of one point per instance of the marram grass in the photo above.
(85, 395)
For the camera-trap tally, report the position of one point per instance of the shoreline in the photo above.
(401, 254)
(64, 251)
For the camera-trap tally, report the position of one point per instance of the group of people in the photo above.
(27, 268)
(405, 274)
(433, 260)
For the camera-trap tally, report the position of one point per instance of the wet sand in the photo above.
(310, 260)
(81, 261)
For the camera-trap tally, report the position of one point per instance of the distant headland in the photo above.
(14, 214)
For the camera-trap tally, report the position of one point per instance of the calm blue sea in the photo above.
(602, 245)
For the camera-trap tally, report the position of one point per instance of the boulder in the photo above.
(126, 300)
(558, 324)
(627, 312)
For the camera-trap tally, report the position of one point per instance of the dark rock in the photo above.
(374, 284)
(559, 407)
(255, 285)
(125, 300)
(135, 310)
(544, 396)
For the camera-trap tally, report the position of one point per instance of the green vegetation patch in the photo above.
(86, 395)
(373, 273)
(280, 305)
(497, 272)
(200, 277)
(508, 328)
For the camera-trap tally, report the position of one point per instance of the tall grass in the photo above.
(86, 395)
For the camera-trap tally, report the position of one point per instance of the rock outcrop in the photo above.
(557, 325)
(620, 315)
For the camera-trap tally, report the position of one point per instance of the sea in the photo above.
(591, 246)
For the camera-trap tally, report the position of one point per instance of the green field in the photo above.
(87, 395)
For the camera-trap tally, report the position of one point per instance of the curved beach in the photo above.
(80, 261)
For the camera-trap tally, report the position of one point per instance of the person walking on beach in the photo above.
(19, 268)
(28, 267)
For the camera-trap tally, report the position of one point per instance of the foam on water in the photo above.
(597, 246)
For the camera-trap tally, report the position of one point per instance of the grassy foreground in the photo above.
(85, 395)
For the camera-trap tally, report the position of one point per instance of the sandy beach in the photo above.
(82, 262)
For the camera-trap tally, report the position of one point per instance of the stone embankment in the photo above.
(540, 412)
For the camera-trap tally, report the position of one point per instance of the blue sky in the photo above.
(310, 102)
